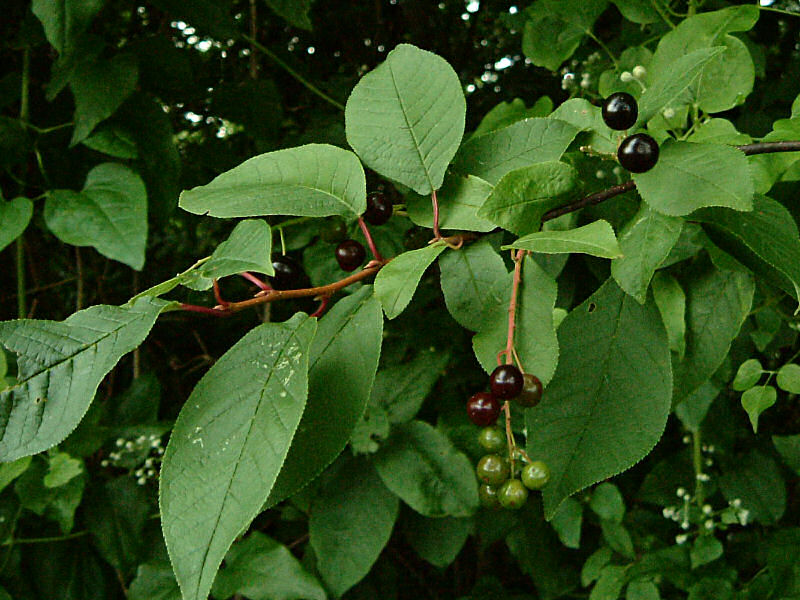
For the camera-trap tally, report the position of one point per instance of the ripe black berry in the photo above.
(379, 209)
(483, 409)
(350, 254)
(289, 274)
(531, 393)
(638, 153)
(506, 382)
(620, 111)
(333, 230)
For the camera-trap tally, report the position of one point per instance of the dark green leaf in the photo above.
(154, 581)
(65, 20)
(567, 522)
(438, 541)
(607, 502)
(401, 389)
(756, 481)
(671, 302)
(294, 11)
(396, 283)
(756, 400)
(706, 548)
(14, 218)
(748, 374)
(788, 446)
(459, 200)
(595, 239)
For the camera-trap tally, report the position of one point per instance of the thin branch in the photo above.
(770, 147)
(590, 200)
(370, 242)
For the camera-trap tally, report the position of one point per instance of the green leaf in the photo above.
(607, 502)
(567, 523)
(530, 141)
(637, 11)
(536, 342)
(468, 278)
(262, 569)
(594, 564)
(788, 378)
(58, 504)
(693, 409)
(405, 118)
(586, 117)
(642, 589)
(690, 176)
(248, 248)
(582, 429)
(595, 239)
(100, 87)
(556, 28)
(788, 446)
(113, 141)
(459, 200)
(154, 581)
(315, 180)
(671, 302)
(747, 375)
(396, 283)
(356, 503)
(61, 469)
(109, 214)
(11, 470)
(65, 20)
(241, 437)
(401, 389)
(61, 364)
(756, 480)
(706, 549)
(666, 88)
(617, 536)
(765, 239)
(506, 113)
(645, 241)
(717, 303)
(438, 541)
(14, 218)
(351, 334)
(609, 585)
(756, 400)
(421, 465)
(208, 16)
(522, 197)
(295, 12)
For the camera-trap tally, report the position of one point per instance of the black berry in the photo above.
(350, 254)
(493, 469)
(620, 111)
(289, 274)
(638, 153)
(512, 494)
(379, 209)
(333, 230)
(483, 409)
(531, 393)
(506, 382)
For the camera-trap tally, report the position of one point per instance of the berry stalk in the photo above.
(370, 242)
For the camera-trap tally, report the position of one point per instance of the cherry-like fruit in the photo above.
(638, 153)
(492, 439)
(506, 382)
(535, 475)
(483, 409)
(620, 111)
(493, 469)
(512, 494)
(350, 254)
(531, 393)
(289, 274)
(379, 208)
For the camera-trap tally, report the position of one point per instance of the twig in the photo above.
(370, 242)
(589, 200)
(255, 280)
(435, 203)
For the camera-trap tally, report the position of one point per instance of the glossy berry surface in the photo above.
(535, 475)
(350, 255)
(512, 494)
(620, 111)
(531, 393)
(487, 494)
(638, 153)
(506, 382)
(483, 409)
(289, 274)
(492, 439)
(493, 469)
(379, 209)
(333, 230)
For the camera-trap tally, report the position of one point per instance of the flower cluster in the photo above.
(141, 456)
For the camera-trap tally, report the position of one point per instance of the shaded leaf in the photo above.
(14, 218)
(396, 283)
(595, 239)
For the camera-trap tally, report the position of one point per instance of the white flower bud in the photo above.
(639, 71)
(626, 77)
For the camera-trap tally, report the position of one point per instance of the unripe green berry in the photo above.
(535, 475)
(492, 439)
(493, 469)
(488, 496)
(512, 494)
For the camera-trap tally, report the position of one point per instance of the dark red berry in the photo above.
(289, 274)
(379, 209)
(506, 382)
(350, 254)
(620, 111)
(483, 409)
(638, 153)
(531, 393)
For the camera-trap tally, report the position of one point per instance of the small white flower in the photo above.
(600, 174)
(668, 113)
(141, 481)
(639, 71)
(104, 463)
(707, 509)
(687, 439)
(709, 524)
(736, 503)
(743, 516)
(681, 538)
(668, 512)
(617, 171)
(685, 525)
(711, 449)
(119, 442)
(703, 477)
(148, 463)
(128, 445)
(626, 77)
(680, 492)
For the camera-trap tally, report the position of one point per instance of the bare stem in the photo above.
(512, 307)
(370, 242)
(435, 203)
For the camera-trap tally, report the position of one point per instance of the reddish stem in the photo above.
(435, 203)
(509, 436)
(323, 306)
(218, 295)
(512, 307)
(205, 310)
(370, 242)
(255, 280)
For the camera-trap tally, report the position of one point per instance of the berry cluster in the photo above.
(350, 254)
(637, 153)
(499, 487)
